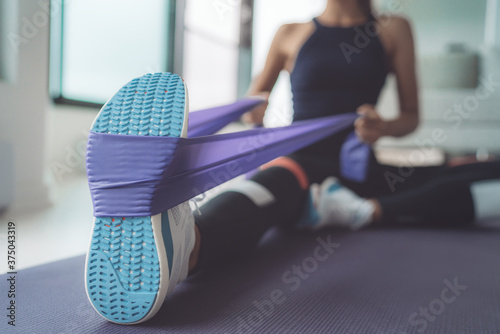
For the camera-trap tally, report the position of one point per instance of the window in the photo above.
(8, 51)
(211, 51)
(98, 45)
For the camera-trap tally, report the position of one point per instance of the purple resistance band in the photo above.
(354, 158)
(354, 155)
(209, 121)
(144, 176)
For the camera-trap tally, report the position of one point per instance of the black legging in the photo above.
(231, 224)
(444, 199)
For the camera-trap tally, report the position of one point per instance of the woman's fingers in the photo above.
(369, 126)
(365, 109)
(256, 115)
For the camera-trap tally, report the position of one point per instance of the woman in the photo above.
(329, 75)
(338, 63)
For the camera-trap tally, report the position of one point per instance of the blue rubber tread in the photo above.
(123, 272)
(152, 105)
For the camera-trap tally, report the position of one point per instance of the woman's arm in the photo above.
(263, 84)
(401, 50)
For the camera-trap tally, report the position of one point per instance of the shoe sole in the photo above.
(127, 270)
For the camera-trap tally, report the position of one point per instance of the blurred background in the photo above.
(60, 60)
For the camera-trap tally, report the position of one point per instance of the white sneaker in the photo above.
(133, 263)
(331, 204)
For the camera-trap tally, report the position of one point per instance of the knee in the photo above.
(291, 166)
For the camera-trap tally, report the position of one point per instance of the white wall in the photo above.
(211, 42)
(23, 107)
(437, 23)
(68, 129)
(465, 122)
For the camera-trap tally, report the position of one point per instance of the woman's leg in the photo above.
(385, 180)
(455, 196)
(451, 196)
(234, 221)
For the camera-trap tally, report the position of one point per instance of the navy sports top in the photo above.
(326, 82)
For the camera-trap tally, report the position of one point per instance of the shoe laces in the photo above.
(195, 202)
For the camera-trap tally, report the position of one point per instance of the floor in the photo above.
(374, 281)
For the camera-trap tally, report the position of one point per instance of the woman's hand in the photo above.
(369, 126)
(256, 115)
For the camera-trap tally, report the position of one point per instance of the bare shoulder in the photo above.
(290, 37)
(395, 26)
(395, 32)
(292, 29)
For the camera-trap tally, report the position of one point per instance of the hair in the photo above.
(366, 6)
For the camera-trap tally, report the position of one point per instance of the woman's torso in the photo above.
(334, 70)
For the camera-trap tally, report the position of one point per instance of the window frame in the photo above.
(174, 45)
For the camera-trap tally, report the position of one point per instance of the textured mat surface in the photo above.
(373, 281)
